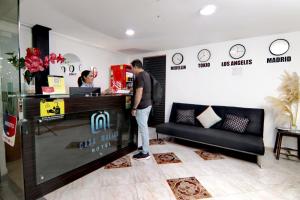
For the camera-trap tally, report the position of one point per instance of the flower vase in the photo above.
(41, 81)
(295, 118)
(30, 88)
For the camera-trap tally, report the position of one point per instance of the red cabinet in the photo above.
(121, 78)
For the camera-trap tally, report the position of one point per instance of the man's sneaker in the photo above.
(140, 148)
(141, 156)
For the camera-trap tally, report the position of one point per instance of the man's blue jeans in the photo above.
(142, 116)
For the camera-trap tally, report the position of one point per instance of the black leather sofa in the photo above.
(250, 142)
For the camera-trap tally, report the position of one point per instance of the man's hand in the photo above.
(133, 112)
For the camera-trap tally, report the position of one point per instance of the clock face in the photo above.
(204, 55)
(237, 51)
(279, 47)
(177, 58)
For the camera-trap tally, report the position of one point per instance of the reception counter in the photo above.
(88, 134)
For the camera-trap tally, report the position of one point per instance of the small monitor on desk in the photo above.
(85, 91)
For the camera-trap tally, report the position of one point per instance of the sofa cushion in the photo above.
(185, 117)
(235, 123)
(176, 106)
(256, 117)
(208, 118)
(222, 138)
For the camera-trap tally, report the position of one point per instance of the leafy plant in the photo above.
(32, 63)
(13, 59)
(286, 104)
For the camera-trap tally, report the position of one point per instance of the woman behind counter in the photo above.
(86, 79)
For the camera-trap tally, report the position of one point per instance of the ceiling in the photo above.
(161, 24)
(9, 10)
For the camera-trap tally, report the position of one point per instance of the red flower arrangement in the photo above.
(33, 62)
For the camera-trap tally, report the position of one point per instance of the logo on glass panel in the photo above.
(100, 121)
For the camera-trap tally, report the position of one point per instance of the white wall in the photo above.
(89, 55)
(213, 86)
(218, 86)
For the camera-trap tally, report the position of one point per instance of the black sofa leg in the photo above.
(259, 161)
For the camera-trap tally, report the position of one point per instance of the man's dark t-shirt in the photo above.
(143, 80)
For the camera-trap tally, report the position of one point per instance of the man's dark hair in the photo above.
(137, 63)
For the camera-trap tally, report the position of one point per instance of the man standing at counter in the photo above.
(142, 106)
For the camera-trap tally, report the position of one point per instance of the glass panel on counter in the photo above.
(62, 145)
(11, 179)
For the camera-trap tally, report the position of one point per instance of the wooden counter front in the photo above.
(31, 106)
(57, 152)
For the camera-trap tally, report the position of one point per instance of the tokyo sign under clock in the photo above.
(237, 51)
(204, 55)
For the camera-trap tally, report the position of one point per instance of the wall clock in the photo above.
(237, 51)
(177, 58)
(204, 55)
(279, 47)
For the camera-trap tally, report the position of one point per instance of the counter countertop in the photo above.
(31, 106)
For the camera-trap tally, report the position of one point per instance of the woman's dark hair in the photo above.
(84, 74)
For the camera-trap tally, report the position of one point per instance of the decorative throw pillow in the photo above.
(208, 118)
(185, 117)
(235, 123)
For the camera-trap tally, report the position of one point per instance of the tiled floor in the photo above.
(226, 179)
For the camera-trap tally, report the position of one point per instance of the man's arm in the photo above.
(138, 97)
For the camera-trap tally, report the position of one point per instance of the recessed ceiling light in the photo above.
(1, 58)
(130, 32)
(208, 10)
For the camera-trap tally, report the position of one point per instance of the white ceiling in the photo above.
(9, 10)
(161, 24)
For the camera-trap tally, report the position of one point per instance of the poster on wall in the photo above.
(9, 129)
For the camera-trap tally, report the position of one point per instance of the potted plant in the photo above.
(286, 104)
(33, 64)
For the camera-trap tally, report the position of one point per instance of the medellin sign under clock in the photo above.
(177, 59)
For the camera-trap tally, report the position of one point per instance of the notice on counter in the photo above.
(57, 83)
(48, 90)
(50, 108)
(9, 129)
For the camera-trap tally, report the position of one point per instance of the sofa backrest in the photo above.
(255, 115)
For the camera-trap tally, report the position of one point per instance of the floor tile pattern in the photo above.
(224, 179)
(207, 155)
(120, 163)
(166, 158)
(155, 141)
(188, 189)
